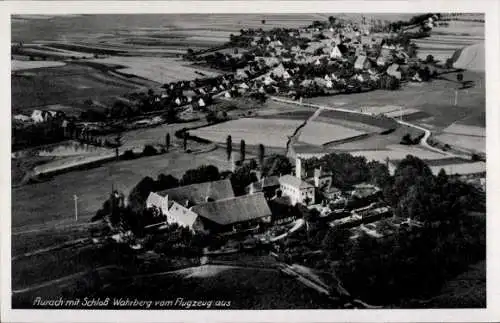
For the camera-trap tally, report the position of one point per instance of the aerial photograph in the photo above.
(248, 161)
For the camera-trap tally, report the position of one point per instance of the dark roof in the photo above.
(198, 193)
(234, 210)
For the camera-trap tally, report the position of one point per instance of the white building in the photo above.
(295, 188)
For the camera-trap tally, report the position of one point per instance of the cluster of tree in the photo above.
(415, 20)
(411, 262)
(409, 140)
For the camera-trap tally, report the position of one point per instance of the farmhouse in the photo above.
(190, 194)
(232, 214)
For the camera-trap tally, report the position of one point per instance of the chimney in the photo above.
(298, 168)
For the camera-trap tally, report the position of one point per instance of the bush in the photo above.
(128, 154)
(149, 151)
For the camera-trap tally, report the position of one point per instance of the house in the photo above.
(22, 118)
(267, 185)
(40, 116)
(335, 53)
(180, 214)
(297, 190)
(416, 77)
(190, 194)
(394, 71)
(232, 214)
(313, 47)
(243, 86)
(362, 63)
(281, 72)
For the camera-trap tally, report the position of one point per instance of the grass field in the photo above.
(69, 84)
(158, 69)
(320, 133)
(52, 202)
(472, 143)
(255, 131)
(257, 288)
(397, 152)
(19, 65)
(436, 99)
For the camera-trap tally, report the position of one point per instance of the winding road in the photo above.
(423, 141)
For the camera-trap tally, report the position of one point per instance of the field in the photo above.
(51, 202)
(19, 65)
(70, 85)
(320, 133)
(255, 131)
(445, 40)
(434, 100)
(257, 288)
(158, 69)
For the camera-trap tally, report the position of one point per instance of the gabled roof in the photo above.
(234, 210)
(198, 193)
(182, 214)
(294, 181)
(360, 61)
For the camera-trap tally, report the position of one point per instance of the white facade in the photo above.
(298, 194)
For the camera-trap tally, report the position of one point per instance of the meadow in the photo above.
(320, 133)
(255, 131)
(158, 69)
(69, 84)
(19, 65)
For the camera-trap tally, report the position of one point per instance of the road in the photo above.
(423, 141)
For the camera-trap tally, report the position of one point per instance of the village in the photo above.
(249, 171)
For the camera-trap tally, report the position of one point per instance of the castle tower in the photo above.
(298, 167)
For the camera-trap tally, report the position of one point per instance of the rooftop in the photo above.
(198, 193)
(235, 209)
(294, 181)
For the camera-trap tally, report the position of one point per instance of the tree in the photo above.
(263, 21)
(335, 241)
(379, 174)
(460, 77)
(164, 182)
(332, 20)
(261, 155)
(139, 194)
(277, 165)
(241, 178)
(185, 137)
(242, 151)
(449, 63)
(229, 147)
(201, 174)
(167, 141)
(429, 59)
(149, 150)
